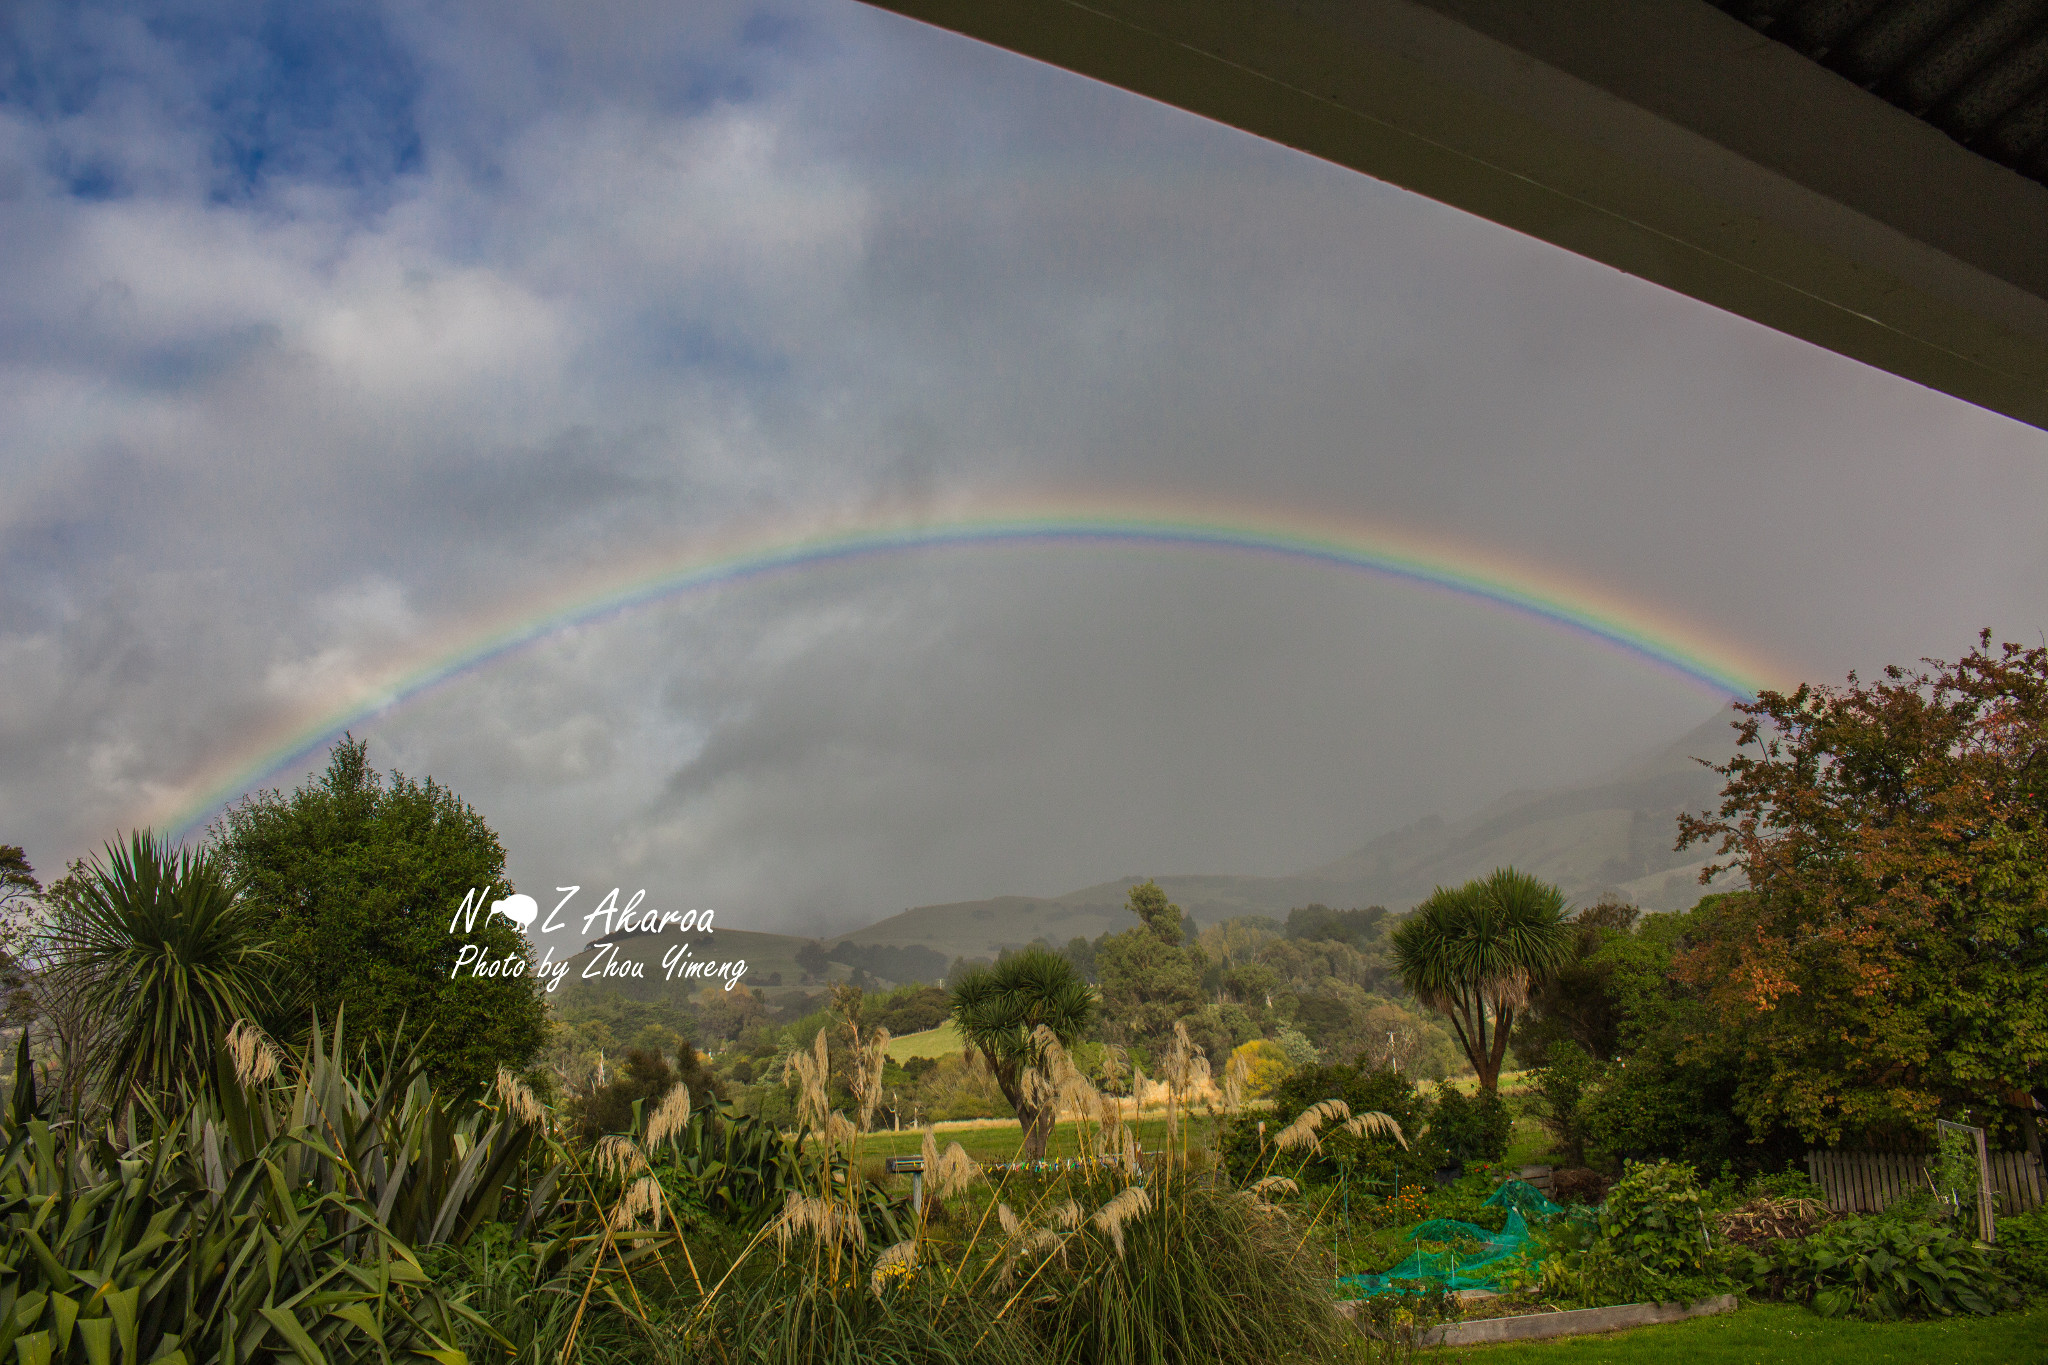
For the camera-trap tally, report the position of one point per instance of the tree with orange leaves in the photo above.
(1888, 964)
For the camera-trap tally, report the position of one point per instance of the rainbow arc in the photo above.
(1435, 562)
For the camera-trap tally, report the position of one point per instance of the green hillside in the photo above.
(1611, 837)
(943, 1041)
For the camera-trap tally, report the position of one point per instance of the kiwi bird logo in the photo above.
(522, 910)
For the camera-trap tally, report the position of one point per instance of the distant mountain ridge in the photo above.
(1612, 836)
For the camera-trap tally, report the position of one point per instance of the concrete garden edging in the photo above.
(1571, 1323)
(1574, 1322)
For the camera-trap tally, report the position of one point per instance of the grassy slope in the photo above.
(1759, 1334)
(943, 1041)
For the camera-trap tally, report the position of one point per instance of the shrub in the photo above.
(1655, 1220)
(2024, 1240)
(1654, 1107)
(644, 1075)
(1266, 1065)
(1246, 1142)
(1560, 1092)
(1890, 1268)
(240, 1230)
(1471, 1128)
(1649, 1241)
(1790, 1183)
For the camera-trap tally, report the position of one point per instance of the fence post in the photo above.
(1987, 1226)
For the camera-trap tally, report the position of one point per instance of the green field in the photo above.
(1764, 1334)
(943, 1041)
(995, 1140)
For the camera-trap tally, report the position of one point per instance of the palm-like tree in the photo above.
(1471, 952)
(999, 1011)
(159, 944)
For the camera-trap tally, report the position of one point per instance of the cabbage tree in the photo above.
(999, 1011)
(1472, 952)
(161, 946)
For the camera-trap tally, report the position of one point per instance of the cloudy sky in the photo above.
(327, 329)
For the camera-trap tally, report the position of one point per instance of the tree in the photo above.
(1157, 914)
(1472, 953)
(1150, 979)
(19, 891)
(812, 958)
(1320, 923)
(1147, 987)
(160, 944)
(363, 878)
(1889, 961)
(999, 1011)
(644, 1075)
(1577, 1002)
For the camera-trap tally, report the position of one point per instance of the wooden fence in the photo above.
(1864, 1182)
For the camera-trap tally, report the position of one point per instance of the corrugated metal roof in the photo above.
(1976, 69)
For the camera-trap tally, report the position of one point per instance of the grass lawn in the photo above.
(1528, 1144)
(1764, 1334)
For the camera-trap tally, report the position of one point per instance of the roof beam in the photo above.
(1661, 137)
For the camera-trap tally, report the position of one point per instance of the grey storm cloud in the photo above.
(329, 330)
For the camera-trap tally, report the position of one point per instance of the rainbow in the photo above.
(1428, 560)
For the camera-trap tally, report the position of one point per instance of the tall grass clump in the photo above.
(1128, 1259)
(1184, 1270)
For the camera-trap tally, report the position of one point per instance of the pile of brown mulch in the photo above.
(1579, 1186)
(1773, 1220)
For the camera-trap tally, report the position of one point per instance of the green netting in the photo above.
(1524, 1199)
(1460, 1255)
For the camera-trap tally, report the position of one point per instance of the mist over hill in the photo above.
(1613, 836)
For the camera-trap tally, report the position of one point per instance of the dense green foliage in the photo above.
(1888, 965)
(641, 1075)
(281, 1217)
(19, 893)
(1471, 1128)
(1891, 1268)
(1581, 1000)
(1656, 1078)
(1151, 979)
(1649, 1241)
(1654, 1240)
(2023, 1238)
(1454, 1130)
(362, 879)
